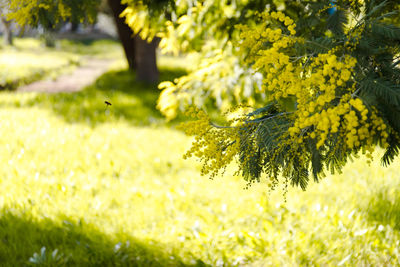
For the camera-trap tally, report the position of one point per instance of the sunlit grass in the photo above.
(82, 184)
(28, 60)
(87, 191)
(103, 48)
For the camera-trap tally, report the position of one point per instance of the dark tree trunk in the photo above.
(125, 33)
(141, 55)
(146, 60)
(74, 26)
(7, 35)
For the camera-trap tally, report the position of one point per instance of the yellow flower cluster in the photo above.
(327, 110)
(361, 128)
(253, 38)
(323, 86)
(64, 10)
(320, 115)
(216, 146)
(355, 4)
(316, 92)
(200, 126)
(354, 37)
(286, 20)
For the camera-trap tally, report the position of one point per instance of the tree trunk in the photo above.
(146, 60)
(7, 35)
(74, 26)
(141, 55)
(125, 33)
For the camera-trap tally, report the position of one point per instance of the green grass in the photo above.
(28, 60)
(102, 48)
(82, 185)
(132, 102)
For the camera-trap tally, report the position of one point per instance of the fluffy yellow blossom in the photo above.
(216, 146)
(327, 116)
(322, 84)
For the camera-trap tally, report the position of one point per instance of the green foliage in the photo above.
(49, 13)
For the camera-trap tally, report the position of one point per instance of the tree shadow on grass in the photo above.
(25, 241)
(131, 101)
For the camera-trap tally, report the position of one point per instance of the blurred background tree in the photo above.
(125, 33)
(8, 37)
(140, 54)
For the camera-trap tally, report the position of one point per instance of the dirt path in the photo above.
(84, 75)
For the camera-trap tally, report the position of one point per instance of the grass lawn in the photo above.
(86, 185)
(28, 60)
